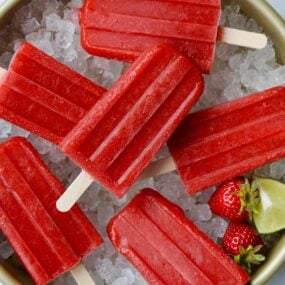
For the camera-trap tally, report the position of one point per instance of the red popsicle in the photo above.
(44, 96)
(122, 29)
(167, 248)
(47, 242)
(119, 136)
(227, 140)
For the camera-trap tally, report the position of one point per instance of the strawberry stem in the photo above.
(249, 197)
(248, 256)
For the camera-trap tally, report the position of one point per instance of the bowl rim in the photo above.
(272, 22)
(7, 7)
(274, 25)
(274, 261)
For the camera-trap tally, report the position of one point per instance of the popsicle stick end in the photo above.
(62, 205)
(74, 192)
(82, 276)
(242, 38)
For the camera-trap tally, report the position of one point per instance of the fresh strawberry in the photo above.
(235, 199)
(243, 242)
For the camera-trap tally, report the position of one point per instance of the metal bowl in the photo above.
(274, 25)
(7, 8)
(267, 17)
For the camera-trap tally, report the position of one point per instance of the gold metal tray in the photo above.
(274, 26)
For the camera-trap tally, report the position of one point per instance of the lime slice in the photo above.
(270, 216)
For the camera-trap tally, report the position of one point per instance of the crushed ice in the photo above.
(53, 27)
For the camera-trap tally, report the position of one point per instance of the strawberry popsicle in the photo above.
(124, 130)
(227, 140)
(122, 29)
(167, 248)
(43, 96)
(47, 242)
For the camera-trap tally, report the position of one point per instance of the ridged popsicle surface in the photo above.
(122, 29)
(116, 140)
(167, 248)
(218, 143)
(47, 241)
(43, 96)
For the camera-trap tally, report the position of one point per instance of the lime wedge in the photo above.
(270, 216)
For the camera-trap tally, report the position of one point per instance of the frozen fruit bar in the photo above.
(167, 248)
(43, 96)
(122, 29)
(48, 242)
(124, 130)
(227, 140)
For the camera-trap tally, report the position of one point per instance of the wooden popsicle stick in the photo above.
(74, 192)
(159, 167)
(242, 38)
(84, 180)
(81, 275)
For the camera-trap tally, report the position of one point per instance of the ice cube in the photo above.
(218, 227)
(128, 273)
(53, 22)
(74, 4)
(65, 279)
(64, 39)
(69, 54)
(5, 250)
(277, 169)
(17, 131)
(109, 250)
(121, 281)
(277, 76)
(56, 155)
(45, 45)
(17, 44)
(30, 26)
(107, 270)
(170, 186)
(263, 170)
(79, 65)
(5, 129)
(201, 212)
(105, 212)
(41, 145)
(5, 59)
(67, 26)
(233, 91)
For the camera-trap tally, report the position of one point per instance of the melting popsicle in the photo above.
(47, 242)
(167, 248)
(119, 136)
(122, 29)
(227, 140)
(44, 96)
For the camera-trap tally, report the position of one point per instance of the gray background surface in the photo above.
(279, 6)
